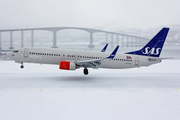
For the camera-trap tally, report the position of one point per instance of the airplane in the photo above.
(74, 59)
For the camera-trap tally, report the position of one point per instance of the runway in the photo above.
(98, 80)
(45, 92)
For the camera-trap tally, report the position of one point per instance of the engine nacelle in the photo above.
(66, 65)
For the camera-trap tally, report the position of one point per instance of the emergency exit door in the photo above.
(26, 52)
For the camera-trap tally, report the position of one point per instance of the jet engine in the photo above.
(66, 65)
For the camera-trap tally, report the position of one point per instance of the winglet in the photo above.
(113, 53)
(104, 49)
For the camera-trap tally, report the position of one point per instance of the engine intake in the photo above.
(66, 65)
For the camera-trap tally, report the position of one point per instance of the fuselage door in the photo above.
(137, 61)
(26, 52)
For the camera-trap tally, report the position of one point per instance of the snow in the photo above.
(141, 93)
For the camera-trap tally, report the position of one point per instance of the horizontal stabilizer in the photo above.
(156, 59)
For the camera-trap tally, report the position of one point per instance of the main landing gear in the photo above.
(22, 66)
(86, 71)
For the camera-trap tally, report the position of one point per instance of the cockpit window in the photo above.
(15, 51)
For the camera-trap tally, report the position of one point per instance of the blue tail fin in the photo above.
(154, 46)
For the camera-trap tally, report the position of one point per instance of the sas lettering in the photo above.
(152, 51)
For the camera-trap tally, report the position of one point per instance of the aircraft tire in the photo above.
(86, 71)
(22, 66)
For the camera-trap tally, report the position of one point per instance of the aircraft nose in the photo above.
(8, 55)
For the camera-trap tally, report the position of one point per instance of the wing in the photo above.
(95, 63)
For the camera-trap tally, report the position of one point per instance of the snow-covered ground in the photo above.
(47, 93)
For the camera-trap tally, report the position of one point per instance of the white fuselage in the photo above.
(55, 56)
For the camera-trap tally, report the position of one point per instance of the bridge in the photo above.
(54, 30)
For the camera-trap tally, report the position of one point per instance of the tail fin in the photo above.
(154, 46)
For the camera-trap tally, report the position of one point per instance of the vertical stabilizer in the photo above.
(154, 46)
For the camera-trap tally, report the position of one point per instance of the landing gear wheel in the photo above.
(85, 71)
(22, 66)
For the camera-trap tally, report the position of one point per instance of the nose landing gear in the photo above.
(86, 71)
(22, 66)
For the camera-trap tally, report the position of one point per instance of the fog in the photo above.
(88, 13)
(45, 92)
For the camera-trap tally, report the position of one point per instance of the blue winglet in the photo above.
(104, 49)
(113, 53)
(154, 46)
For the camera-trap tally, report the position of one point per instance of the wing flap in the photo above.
(95, 63)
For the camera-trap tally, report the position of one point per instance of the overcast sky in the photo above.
(87, 13)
